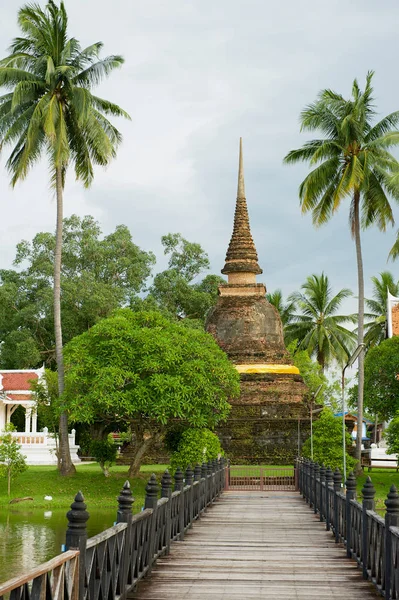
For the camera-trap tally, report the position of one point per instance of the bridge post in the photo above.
(391, 520)
(125, 515)
(210, 482)
(329, 483)
(310, 483)
(322, 495)
(179, 487)
(337, 488)
(308, 475)
(316, 475)
(350, 495)
(76, 536)
(368, 493)
(305, 491)
(190, 494)
(166, 492)
(197, 477)
(151, 501)
(204, 483)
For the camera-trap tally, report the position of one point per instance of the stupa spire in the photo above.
(241, 257)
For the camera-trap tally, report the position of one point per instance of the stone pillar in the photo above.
(2, 416)
(28, 412)
(34, 420)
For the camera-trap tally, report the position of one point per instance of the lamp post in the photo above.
(350, 362)
(317, 392)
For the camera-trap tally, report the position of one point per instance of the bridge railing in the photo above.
(110, 564)
(371, 540)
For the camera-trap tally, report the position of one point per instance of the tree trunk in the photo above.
(360, 328)
(65, 462)
(9, 482)
(142, 447)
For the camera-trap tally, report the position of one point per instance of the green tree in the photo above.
(174, 290)
(392, 436)
(351, 160)
(327, 442)
(317, 327)
(99, 274)
(104, 451)
(310, 370)
(12, 462)
(50, 109)
(143, 368)
(285, 309)
(376, 328)
(195, 447)
(381, 379)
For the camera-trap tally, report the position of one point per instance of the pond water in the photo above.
(29, 537)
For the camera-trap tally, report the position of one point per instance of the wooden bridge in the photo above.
(203, 540)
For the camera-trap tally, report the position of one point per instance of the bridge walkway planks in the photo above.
(256, 545)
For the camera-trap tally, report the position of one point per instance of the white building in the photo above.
(15, 390)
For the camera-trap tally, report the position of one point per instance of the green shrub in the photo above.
(392, 436)
(327, 442)
(104, 451)
(195, 446)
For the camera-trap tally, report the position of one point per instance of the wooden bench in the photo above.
(366, 462)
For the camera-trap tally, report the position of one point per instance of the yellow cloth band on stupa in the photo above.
(267, 368)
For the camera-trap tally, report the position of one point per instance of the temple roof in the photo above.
(241, 254)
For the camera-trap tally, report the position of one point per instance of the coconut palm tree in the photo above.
(50, 109)
(317, 328)
(351, 160)
(285, 309)
(376, 328)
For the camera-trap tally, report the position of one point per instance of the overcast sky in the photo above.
(197, 76)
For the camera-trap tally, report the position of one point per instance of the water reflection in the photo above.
(30, 537)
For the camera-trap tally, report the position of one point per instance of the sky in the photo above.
(197, 76)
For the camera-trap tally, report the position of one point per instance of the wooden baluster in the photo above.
(124, 515)
(166, 492)
(391, 520)
(179, 487)
(190, 495)
(204, 483)
(311, 483)
(321, 495)
(337, 488)
(76, 536)
(197, 477)
(329, 484)
(210, 482)
(350, 495)
(151, 501)
(368, 493)
(316, 475)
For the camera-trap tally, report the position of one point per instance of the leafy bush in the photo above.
(196, 446)
(12, 462)
(327, 442)
(104, 451)
(392, 436)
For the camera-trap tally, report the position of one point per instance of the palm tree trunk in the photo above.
(66, 465)
(360, 327)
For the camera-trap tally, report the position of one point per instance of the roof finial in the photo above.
(241, 255)
(241, 185)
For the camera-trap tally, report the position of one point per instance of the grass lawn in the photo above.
(382, 480)
(98, 491)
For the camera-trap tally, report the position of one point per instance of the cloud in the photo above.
(198, 76)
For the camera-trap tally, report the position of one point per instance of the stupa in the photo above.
(270, 417)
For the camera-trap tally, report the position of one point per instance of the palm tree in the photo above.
(317, 328)
(286, 309)
(50, 109)
(351, 161)
(376, 329)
